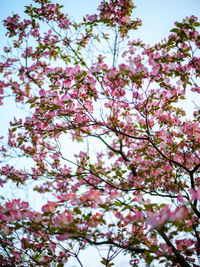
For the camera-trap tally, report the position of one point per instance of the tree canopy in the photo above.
(134, 185)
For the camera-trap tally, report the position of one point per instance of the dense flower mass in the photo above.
(133, 186)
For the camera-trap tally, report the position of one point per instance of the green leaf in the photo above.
(14, 129)
(149, 259)
(174, 30)
(154, 248)
(77, 210)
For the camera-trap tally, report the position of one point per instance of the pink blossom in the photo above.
(62, 237)
(180, 198)
(195, 195)
(64, 218)
(126, 19)
(42, 93)
(49, 207)
(179, 214)
(91, 18)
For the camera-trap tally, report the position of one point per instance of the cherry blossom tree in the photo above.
(134, 186)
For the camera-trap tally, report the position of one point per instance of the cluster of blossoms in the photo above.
(114, 13)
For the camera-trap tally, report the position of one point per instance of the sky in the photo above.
(158, 18)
